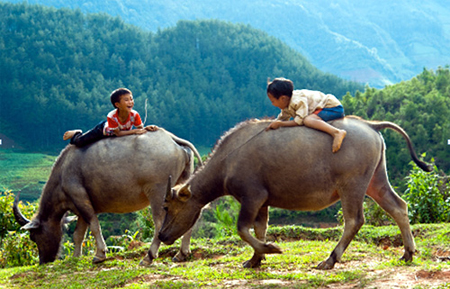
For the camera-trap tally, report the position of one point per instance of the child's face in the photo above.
(281, 102)
(126, 103)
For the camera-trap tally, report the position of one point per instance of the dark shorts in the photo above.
(330, 113)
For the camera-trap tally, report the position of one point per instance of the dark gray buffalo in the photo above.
(115, 175)
(292, 168)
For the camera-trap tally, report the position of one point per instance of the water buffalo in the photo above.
(114, 175)
(292, 168)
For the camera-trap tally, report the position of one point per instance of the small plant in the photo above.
(428, 196)
(226, 214)
(88, 246)
(144, 224)
(67, 249)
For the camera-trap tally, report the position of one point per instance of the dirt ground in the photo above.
(391, 278)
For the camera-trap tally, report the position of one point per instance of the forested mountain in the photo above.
(58, 67)
(378, 42)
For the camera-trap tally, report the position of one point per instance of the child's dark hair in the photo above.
(280, 86)
(116, 94)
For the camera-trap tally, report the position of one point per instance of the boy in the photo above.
(307, 107)
(119, 122)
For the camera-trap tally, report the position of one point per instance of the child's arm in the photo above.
(118, 132)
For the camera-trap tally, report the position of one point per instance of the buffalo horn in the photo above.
(20, 218)
(68, 219)
(169, 189)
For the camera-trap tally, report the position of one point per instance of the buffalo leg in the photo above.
(86, 212)
(352, 208)
(96, 231)
(185, 247)
(260, 227)
(78, 237)
(158, 218)
(381, 192)
(247, 217)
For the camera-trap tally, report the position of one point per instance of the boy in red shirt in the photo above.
(119, 122)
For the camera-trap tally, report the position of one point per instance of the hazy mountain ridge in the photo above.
(371, 41)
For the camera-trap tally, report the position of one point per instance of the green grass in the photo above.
(218, 263)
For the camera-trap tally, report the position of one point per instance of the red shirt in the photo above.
(113, 123)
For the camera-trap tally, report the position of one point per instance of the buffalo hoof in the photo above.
(252, 264)
(97, 260)
(325, 266)
(407, 257)
(255, 261)
(146, 261)
(180, 257)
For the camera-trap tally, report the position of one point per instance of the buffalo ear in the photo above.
(31, 225)
(184, 194)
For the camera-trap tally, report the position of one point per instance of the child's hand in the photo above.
(274, 125)
(151, 128)
(139, 131)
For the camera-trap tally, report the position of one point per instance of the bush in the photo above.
(16, 248)
(428, 196)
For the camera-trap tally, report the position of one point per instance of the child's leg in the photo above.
(314, 121)
(95, 134)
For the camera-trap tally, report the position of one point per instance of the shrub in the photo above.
(428, 196)
(16, 248)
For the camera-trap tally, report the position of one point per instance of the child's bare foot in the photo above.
(338, 138)
(70, 133)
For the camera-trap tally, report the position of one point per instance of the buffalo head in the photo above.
(47, 234)
(181, 213)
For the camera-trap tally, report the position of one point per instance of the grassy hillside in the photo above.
(25, 172)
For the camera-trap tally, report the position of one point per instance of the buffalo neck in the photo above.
(207, 184)
(53, 203)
